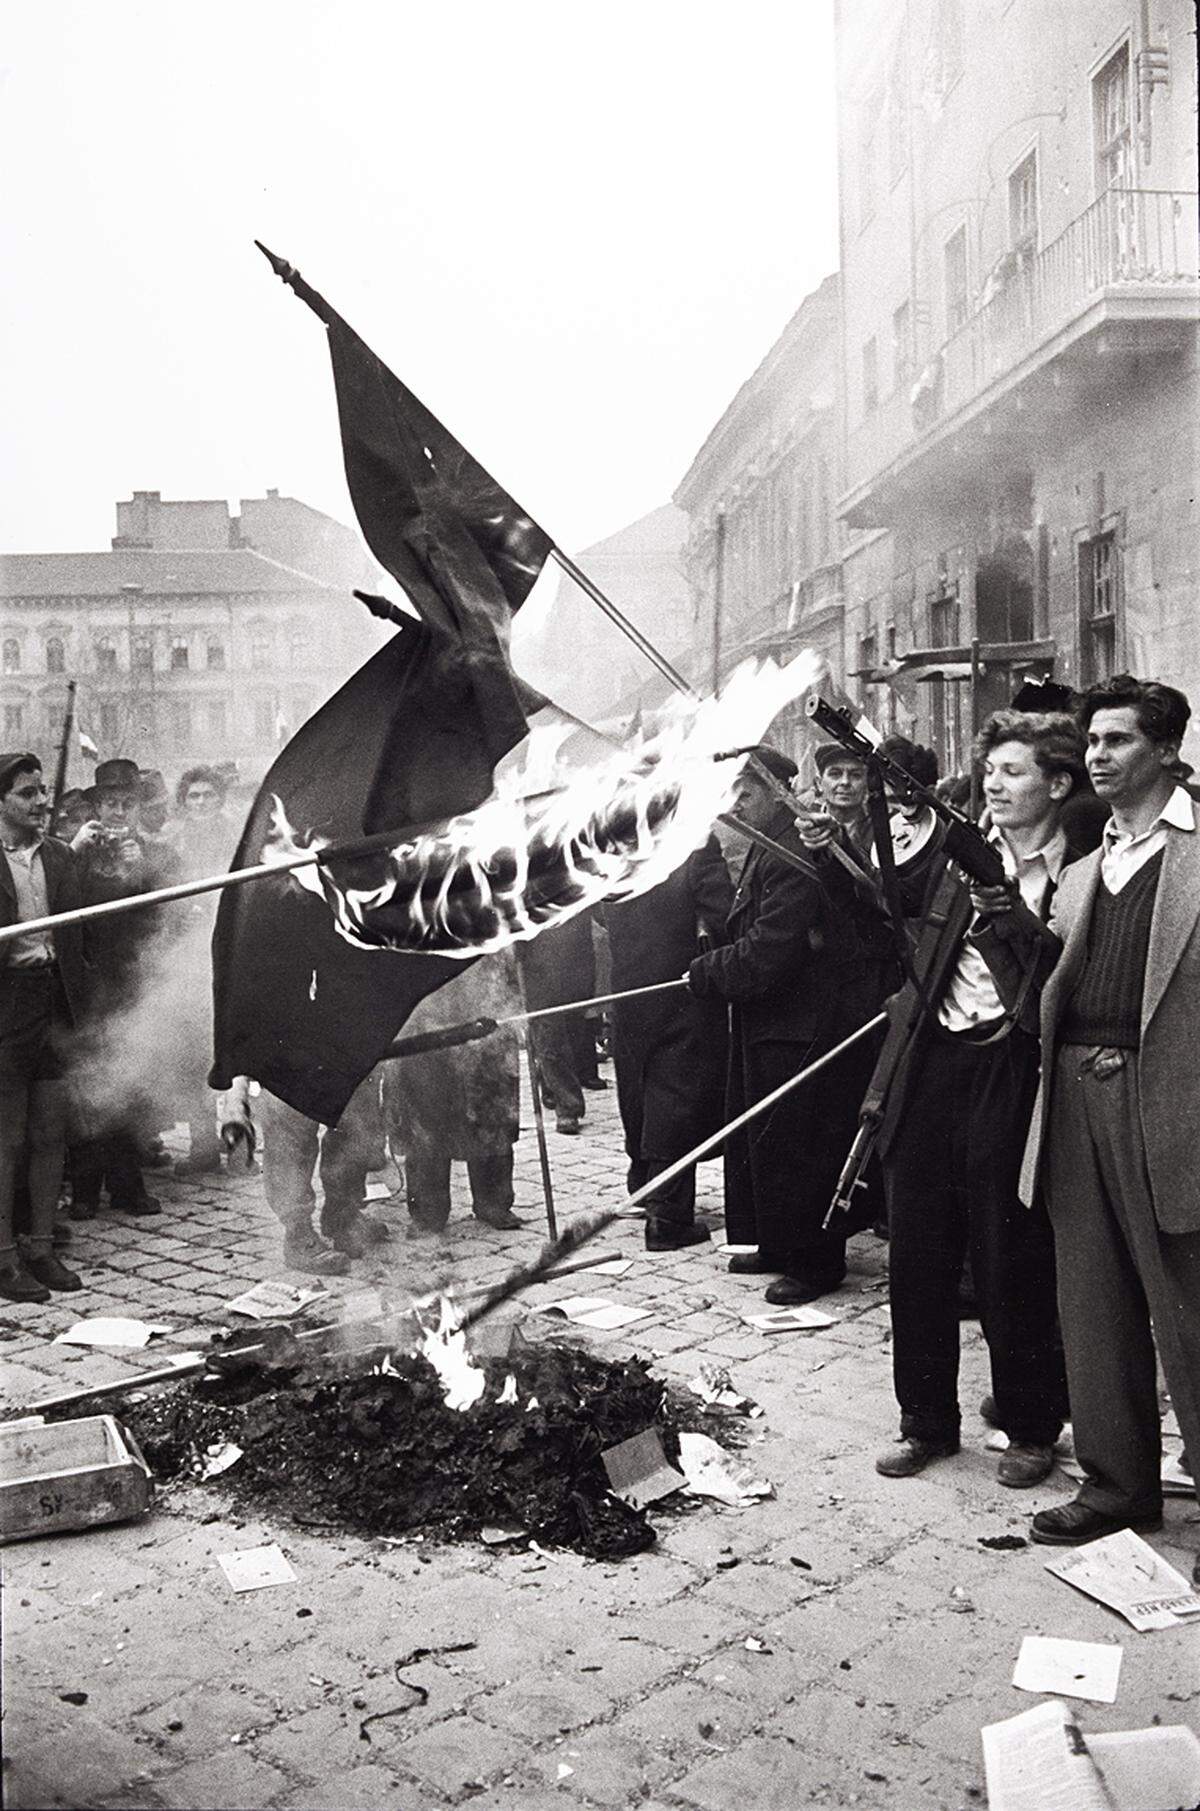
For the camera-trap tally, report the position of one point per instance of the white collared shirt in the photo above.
(29, 879)
(971, 998)
(1125, 854)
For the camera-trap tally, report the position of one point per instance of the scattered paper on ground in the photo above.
(1124, 1572)
(595, 1311)
(273, 1301)
(612, 1267)
(1144, 1769)
(253, 1568)
(220, 1458)
(802, 1319)
(638, 1470)
(1040, 1761)
(712, 1472)
(714, 1385)
(377, 1191)
(499, 1534)
(1069, 1669)
(129, 1335)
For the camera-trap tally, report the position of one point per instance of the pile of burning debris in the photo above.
(437, 1440)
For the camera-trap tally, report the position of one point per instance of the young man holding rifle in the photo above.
(1112, 1141)
(954, 1121)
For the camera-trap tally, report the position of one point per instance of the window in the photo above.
(106, 655)
(264, 720)
(902, 347)
(943, 618)
(179, 654)
(868, 660)
(957, 297)
(870, 376)
(216, 718)
(55, 655)
(10, 655)
(300, 645)
(216, 655)
(55, 718)
(14, 722)
(1023, 205)
(1098, 606)
(143, 654)
(1110, 122)
(260, 649)
(897, 114)
(110, 723)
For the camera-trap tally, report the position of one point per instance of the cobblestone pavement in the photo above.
(888, 1632)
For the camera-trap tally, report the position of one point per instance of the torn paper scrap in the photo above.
(714, 1385)
(595, 1311)
(272, 1301)
(129, 1335)
(791, 1320)
(1124, 1572)
(500, 1534)
(712, 1472)
(1038, 1762)
(1069, 1669)
(377, 1191)
(1143, 1769)
(220, 1457)
(252, 1568)
(612, 1267)
(638, 1470)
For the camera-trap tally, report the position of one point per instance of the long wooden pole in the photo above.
(64, 749)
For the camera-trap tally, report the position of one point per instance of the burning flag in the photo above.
(526, 860)
(412, 737)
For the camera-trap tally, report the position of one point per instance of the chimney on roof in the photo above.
(272, 496)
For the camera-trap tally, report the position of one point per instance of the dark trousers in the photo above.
(427, 1177)
(951, 1176)
(1124, 1286)
(553, 1048)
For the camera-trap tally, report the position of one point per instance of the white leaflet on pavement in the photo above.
(596, 1312)
(712, 1472)
(272, 1301)
(802, 1319)
(1038, 1762)
(1070, 1669)
(111, 1330)
(253, 1568)
(1124, 1572)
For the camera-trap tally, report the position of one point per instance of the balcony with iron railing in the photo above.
(1129, 261)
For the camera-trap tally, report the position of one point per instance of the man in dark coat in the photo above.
(41, 999)
(117, 1070)
(670, 1049)
(956, 1113)
(784, 969)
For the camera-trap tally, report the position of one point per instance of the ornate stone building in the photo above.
(199, 636)
(1019, 307)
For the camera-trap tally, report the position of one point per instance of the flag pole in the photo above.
(533, 1063)
(64, 749)
(582, 1231)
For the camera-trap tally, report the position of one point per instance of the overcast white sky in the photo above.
(572, 228)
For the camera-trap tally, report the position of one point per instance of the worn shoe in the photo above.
(303, 1250)
(17, 1285)
(790, 1291)
(1070, 1524)
(501, 1218)
(1024, 1465)
(51, 1272)
(139, 1205)
(84, 1207)
(752, 1264)
(909, 1456)
(568, 1125)
(593, 1084)
(661, 1237)
(355, 1234)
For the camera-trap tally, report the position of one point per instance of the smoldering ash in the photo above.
(529, 858)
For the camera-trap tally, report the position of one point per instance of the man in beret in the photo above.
(41, 994)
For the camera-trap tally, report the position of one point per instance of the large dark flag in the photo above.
(411, 738)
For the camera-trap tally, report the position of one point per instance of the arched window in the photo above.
(216, 655)
(260, 649)
(299, 645)
(55, 655)
(106, 655)
(10, 655)
(179, 654)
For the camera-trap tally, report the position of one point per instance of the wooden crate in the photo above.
(69, 1474)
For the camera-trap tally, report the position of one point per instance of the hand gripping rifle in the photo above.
(927, 970)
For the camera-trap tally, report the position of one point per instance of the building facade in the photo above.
(763, 556)
(197, 637)
(1018, 350)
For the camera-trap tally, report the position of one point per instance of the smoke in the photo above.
(542, 850)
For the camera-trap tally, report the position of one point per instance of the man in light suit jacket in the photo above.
(1113, 1136)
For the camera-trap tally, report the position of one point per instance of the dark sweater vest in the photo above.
(1106, 1006)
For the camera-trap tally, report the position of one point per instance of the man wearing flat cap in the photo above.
(790, 948)
(41, 996)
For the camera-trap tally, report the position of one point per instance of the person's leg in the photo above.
(928, 1237)
(427, 1176)
(348, 1151)
(46, 1134)
(628, 1064)
(1012, 1250)
(14, 1099)
(127, 1191)
(560, 1085)
(491, 1177)
(1107, 1336)
(290, 1144)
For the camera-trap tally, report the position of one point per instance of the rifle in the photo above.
(963, 840)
